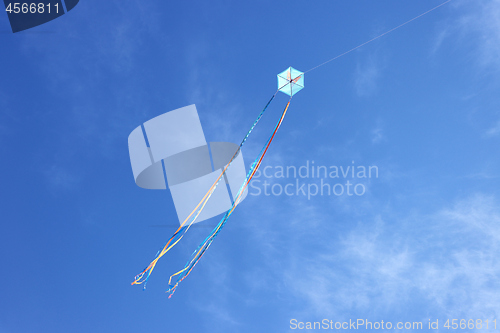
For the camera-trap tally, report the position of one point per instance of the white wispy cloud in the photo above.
(366, 76)
(493, 131)
(442, 35)
(446, 261)
(377, 133)
(487, 24)
(478, 27)
(216, 308)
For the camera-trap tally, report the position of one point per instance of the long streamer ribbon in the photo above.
(142, 277)
(198, 253)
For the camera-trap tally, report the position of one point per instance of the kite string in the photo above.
(207, 196)
(139, 279)
(204, 246)
(198, 253)
(381, 35)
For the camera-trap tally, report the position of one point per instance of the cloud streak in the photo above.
(493, 131)
(366, 76)
(478, 27)
(445, 261)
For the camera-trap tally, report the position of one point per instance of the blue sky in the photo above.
(421, 104)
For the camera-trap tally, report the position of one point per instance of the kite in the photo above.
(290, 82)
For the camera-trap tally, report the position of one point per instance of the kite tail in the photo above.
(143, 277)
(198, 253)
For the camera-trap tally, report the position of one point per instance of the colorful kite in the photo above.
(289, 82)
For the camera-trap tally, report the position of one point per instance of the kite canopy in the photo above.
(291, 81)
